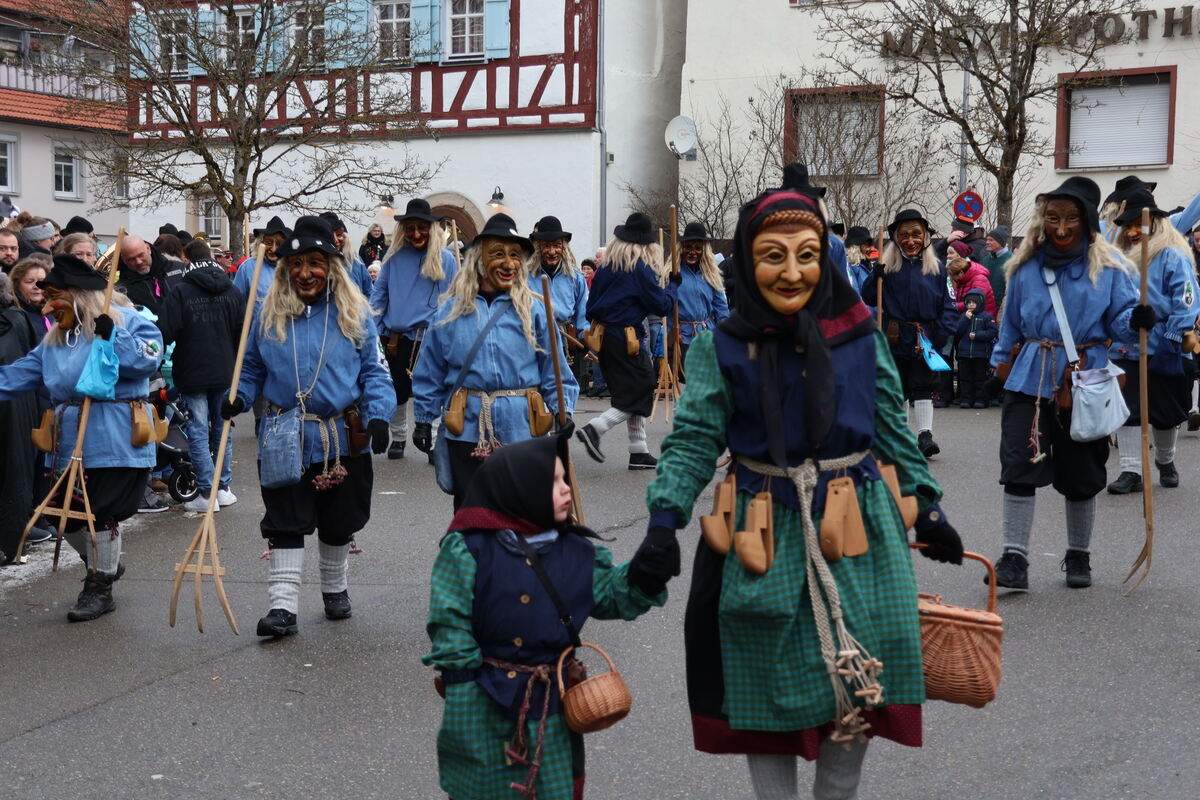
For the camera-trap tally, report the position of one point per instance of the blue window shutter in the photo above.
(203, 23)
(426, 17)
(142, 34)
(496, 34)
(354, 17)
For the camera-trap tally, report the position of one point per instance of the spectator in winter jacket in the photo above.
(977, 332)
(962, 229)
(995, 258)
(10, 250)
(203, 316)
(968, 275)
(146, 275)
(374, 245)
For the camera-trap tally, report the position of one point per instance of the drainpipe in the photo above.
(600, 124)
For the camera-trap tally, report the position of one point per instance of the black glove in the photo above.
(677, 277)
(564, 429)
(877, 273)
(656, 561)
(103, 327)
(379, 436)
(423, 436)
(1142, 318)
(231, 408)
(943, 542)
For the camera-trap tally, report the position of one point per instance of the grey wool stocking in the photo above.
(1018, 522)
(283, 590)
(333, 562)
(773, 776)
(1081, 517)
(839, 769)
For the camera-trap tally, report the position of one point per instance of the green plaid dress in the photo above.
(475, 730)
(774, 678)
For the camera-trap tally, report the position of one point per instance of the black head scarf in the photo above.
(834, 314)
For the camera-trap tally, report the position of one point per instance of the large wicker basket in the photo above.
(961, 646)
(596, 703)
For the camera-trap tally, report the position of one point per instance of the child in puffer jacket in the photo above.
(977, 333)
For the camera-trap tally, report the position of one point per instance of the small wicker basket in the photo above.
(961, 646)
(596, 703)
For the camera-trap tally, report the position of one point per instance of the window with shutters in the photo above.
(393, 29)
(464, 29)
(211, 218)
(240, 31)
(172, 46)
(836, 131)
(309, 36)
(1117, 119)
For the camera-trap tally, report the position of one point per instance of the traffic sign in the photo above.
(969, 205)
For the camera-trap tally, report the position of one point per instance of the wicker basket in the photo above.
(961, 646)
(596, 703)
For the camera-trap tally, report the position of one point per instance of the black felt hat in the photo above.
(638, 229)
(1083, 191)
(907, 215)
(857, 235)
(274, 226)
(1135, 201)
(310, 233)
(416, 209)
(168, 228)
(335, 222)
(1126, 186)
(70, 272)
(77, 225)
(501, 226)
(695, 232)
(838, 229)
(795, 176)
(549, 229)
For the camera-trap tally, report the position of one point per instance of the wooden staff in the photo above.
(552, 330)
(204, 543)
(879, 281)
(245, 237)
(73, 477)
(676, 341)
(1146, 556)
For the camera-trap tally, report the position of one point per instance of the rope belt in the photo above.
(327, 429)
(517, 751)
(1046, 348)
(487, 441)
(849, 664)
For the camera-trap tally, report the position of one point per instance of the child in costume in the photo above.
(497, 633)
(784, 647)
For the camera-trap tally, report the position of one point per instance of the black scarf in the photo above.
(1056, 259)
(833, 301)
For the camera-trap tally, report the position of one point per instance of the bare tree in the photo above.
(276, 104)
(1004, 47)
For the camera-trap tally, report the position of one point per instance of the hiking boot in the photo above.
(1078, 566)
(642, 461)
(1012, 572)
(278, 622)
(591, 442)
(1168, 476)
(337, 604)
(1127, 483)
(927, 445)
(395, 450)
(95, 600)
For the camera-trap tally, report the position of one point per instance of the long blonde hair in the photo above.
(432, 268)
(709, 269)
(623, 256)
(282, 304)
(464, 288)
(892, 258)
(1102, 254)
(1163, 236)
(856, 254)
(88, 304)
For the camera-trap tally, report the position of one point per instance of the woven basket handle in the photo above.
(991, 606)
(563, 657)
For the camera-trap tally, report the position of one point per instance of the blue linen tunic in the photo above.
(504, 361)
(1096, 312)
(137, 344)
(403, 299)
(700, 303)
(349, 374)
(245, 272)
(909, 295)
(570, 295)
(1171, 290)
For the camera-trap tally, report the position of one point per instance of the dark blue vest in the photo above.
(853, 428)
(514, 619)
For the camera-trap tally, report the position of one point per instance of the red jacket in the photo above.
(975, 277)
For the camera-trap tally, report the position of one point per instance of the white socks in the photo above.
(1129, 445)
(333, 562)
(637, 434)
(838, 772)
(283, 590)
(924, 413)
(1164, 444)
(604, 423)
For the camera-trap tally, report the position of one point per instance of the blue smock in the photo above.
(570, 295)
(245, 272)
(624, 299)
(1171, 292)
(404, 300)
(699, 304)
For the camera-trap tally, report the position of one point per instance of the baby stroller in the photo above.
(173, 451)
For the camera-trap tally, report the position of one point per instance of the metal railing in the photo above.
(42, 81)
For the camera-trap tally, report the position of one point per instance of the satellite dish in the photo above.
(681, 136)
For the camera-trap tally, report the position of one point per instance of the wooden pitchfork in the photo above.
(204, 543)
(72, 477)
(1147, 555)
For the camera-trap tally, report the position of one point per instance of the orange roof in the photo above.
(44, 109)
(48, 9)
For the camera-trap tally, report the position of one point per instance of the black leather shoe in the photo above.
(1126, 483)
(1078, 566)
(591, 441)
(395, 450)
(337, 604)
(927, 445)
(1168, 476)
(278, 622)
(1012, 572)
(1194, 421)
(642, 461)
(95, 600)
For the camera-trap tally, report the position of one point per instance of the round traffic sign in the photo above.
(969, 205)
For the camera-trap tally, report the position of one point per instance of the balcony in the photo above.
(58, 84)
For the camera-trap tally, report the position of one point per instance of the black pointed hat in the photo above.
(1135, 201)
(638, 229)
(310, 233)
(416, 209)
(907, 215)
(549, 229)
(1083, 191)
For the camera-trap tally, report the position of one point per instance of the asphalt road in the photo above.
(1098, 698)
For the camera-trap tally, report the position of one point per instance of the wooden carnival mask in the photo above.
(787, 265)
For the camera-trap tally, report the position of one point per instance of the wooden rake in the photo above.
(204, 543)
(72, 477)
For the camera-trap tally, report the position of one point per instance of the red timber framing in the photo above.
(545, 92)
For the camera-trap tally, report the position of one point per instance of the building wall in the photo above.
(782, 39)
(35, 179)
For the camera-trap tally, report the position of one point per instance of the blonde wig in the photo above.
(1163, 236)
(622, 256)
(464, 288)
(1102, 254)
(856, 254)
(88, 304)
(709, 269)
(432, 268)
(282, 304)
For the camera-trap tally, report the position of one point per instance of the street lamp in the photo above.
(497, 198)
